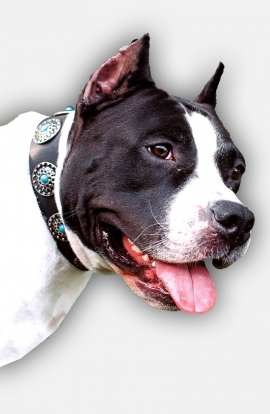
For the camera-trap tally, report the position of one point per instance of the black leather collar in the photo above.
(43, 162)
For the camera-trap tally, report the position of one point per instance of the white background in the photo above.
(114, 353)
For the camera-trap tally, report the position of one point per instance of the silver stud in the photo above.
(43, 178)
(56, 227)
(46, 130)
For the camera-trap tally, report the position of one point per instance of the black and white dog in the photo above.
(145, 186)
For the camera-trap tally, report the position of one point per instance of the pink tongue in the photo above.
(191, 288)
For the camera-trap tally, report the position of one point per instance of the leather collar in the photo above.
(43, 163)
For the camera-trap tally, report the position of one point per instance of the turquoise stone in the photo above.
(61, 228)
(44, 128)
(44, 178)
(69, 108)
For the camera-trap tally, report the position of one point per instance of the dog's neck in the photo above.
(88, 257)
(52, 155)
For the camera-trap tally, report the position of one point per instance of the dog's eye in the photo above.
(162, 151)
(238, 171)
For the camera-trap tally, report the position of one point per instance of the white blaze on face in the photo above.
(204, 187)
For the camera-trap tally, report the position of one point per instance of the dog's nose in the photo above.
(234, 221)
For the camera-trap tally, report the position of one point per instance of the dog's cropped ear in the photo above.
(208, 94)
(120, 74)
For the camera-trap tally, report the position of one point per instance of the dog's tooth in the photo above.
(136, 248)
(154, 264)
(131, 242)
(146, 257)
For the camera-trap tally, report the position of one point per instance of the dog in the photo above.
(145, 186)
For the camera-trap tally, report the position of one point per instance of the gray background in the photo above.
(114, 353)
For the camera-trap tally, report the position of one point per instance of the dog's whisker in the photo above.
(154, 245)
(156, 218)
(157, 223)
(69, 214)
(139, 235)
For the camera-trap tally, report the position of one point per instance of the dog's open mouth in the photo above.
(187, 285)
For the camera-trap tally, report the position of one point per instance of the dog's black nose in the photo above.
(234, 221)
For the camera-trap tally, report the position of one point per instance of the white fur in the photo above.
(38, 285)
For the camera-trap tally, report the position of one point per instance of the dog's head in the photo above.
(153, 181)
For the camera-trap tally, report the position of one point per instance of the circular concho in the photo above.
(79, 264)
(46, 130)
(43, 178)
(57, 227)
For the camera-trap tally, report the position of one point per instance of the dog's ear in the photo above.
(208, 94)
(120, 74)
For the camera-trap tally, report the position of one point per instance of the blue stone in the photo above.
(61, 228)
(44, 178)
(69, 108)
(44, 127)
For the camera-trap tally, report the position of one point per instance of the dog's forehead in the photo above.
(155, 112)
(153, 109)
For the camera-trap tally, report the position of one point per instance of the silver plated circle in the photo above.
(43, 178)
(79, 264)
(54, 222)
(46, 130)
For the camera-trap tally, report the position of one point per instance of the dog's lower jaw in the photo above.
(162, 301)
